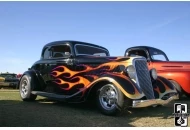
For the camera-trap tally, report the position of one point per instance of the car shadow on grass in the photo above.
(46, 112)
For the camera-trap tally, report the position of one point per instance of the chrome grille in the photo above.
(143, 77)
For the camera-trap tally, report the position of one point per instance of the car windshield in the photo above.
(157, 55)
(90, 50)
(8, 75)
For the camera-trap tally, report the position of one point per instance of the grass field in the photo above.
(44, 112)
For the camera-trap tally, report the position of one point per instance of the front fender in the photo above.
(125, 84)
(162, 86)
(37, 81)
(181, 77)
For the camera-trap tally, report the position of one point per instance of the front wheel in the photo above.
(178, 88)
(25, 89)
(187, 94)
(110, 100)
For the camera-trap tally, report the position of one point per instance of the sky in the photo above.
(25, 27)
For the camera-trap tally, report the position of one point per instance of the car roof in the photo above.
(73, 43)
(7, 73)
(144, 47)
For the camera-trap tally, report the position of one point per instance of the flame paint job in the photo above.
(68, 79)
(162, 87)
(91, 75)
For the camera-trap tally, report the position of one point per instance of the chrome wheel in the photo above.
(24, 88)
(108, 97)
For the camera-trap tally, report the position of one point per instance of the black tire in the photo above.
(187, 94)
(178, 88)
(25, 89)
(117, 105)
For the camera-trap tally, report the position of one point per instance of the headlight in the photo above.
(130, 71)
(153, 74)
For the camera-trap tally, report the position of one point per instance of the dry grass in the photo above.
(43, 112)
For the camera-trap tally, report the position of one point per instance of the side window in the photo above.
(60, 51)
(46, 54)
(137, 53)
(158, 57)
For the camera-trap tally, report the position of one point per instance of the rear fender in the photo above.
(37, 82)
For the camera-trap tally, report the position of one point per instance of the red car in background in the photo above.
(177, 72)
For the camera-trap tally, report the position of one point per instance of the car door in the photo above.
(61, 69)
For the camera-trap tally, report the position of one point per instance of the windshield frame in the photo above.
(151, 50)
(77, 54)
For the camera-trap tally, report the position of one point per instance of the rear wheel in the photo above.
(25, 89)
(110, 99)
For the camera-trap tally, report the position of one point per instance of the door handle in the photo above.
(69, 62)
(46, 64)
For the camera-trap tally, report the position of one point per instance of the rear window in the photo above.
(90, 50)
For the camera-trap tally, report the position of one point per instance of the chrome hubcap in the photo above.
(24, 88)
(108, 97)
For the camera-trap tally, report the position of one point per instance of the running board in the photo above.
(50, 95)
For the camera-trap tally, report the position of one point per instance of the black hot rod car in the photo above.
(74, 71)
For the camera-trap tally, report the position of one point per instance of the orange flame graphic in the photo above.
(84, 75)
(70, 84)
(71, 73)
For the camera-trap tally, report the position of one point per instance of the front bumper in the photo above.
(152, 102)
